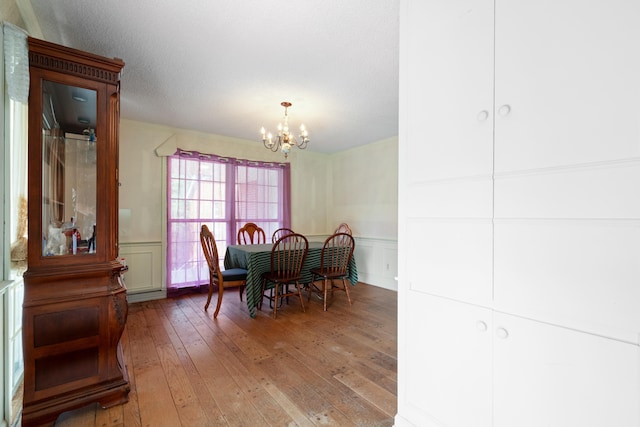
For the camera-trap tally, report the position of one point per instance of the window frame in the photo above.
(224, 193)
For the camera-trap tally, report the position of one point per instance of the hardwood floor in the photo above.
(303, 369)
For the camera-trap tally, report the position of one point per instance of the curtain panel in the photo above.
(224, 193)
(16, 75)
(16, 62)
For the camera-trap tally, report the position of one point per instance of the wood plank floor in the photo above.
(334, 368)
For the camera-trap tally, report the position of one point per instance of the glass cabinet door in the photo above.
(69, 171)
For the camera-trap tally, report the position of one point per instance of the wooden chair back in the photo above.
(336, 255)
(334, 263)
(235, 277)
(210, 250)
(287, 257)
(343, 228)
(251, 234)
(280, 232)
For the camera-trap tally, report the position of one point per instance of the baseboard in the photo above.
(380, 282)
(146, 296)
(400, 421)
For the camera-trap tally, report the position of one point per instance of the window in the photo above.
(223, 193)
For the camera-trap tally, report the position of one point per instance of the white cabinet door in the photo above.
(568, 71)
(450, 74)
(550, 376)
(449, 160)
(449, 362)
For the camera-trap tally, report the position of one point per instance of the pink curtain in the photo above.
(223, 193)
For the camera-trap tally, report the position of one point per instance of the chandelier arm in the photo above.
(274, 146)
(303, 142)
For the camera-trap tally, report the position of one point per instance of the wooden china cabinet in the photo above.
(75, 306)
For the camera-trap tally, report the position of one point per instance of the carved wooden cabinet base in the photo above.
(72, 337)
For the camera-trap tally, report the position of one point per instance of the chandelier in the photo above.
(285, 140)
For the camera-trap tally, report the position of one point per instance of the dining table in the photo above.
(256, 259)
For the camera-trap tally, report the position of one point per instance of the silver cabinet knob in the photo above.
(481, 326)
(504, 110)
(502, 333)
(482, 115)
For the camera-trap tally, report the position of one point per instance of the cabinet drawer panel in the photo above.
(451, 258)
(581, 274)
(463, 198)
(604, 191)
(550, 376)
(61, 369)
(58, 327)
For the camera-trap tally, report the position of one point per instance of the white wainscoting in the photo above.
(11, 364)
(5, 398)
(377, 261)
(145, 277)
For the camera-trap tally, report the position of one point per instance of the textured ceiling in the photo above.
(224, 66)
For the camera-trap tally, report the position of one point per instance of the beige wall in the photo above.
(20, 13)
(358, 186)
(9, 12)
(364, 190)
(141, 182)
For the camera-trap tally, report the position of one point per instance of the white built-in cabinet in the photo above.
(519, 213)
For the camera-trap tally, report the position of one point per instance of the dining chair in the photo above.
(287, 258)
(280, 232)
(233, 277)
(343, 228)
(251, 234)
(334, 263)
